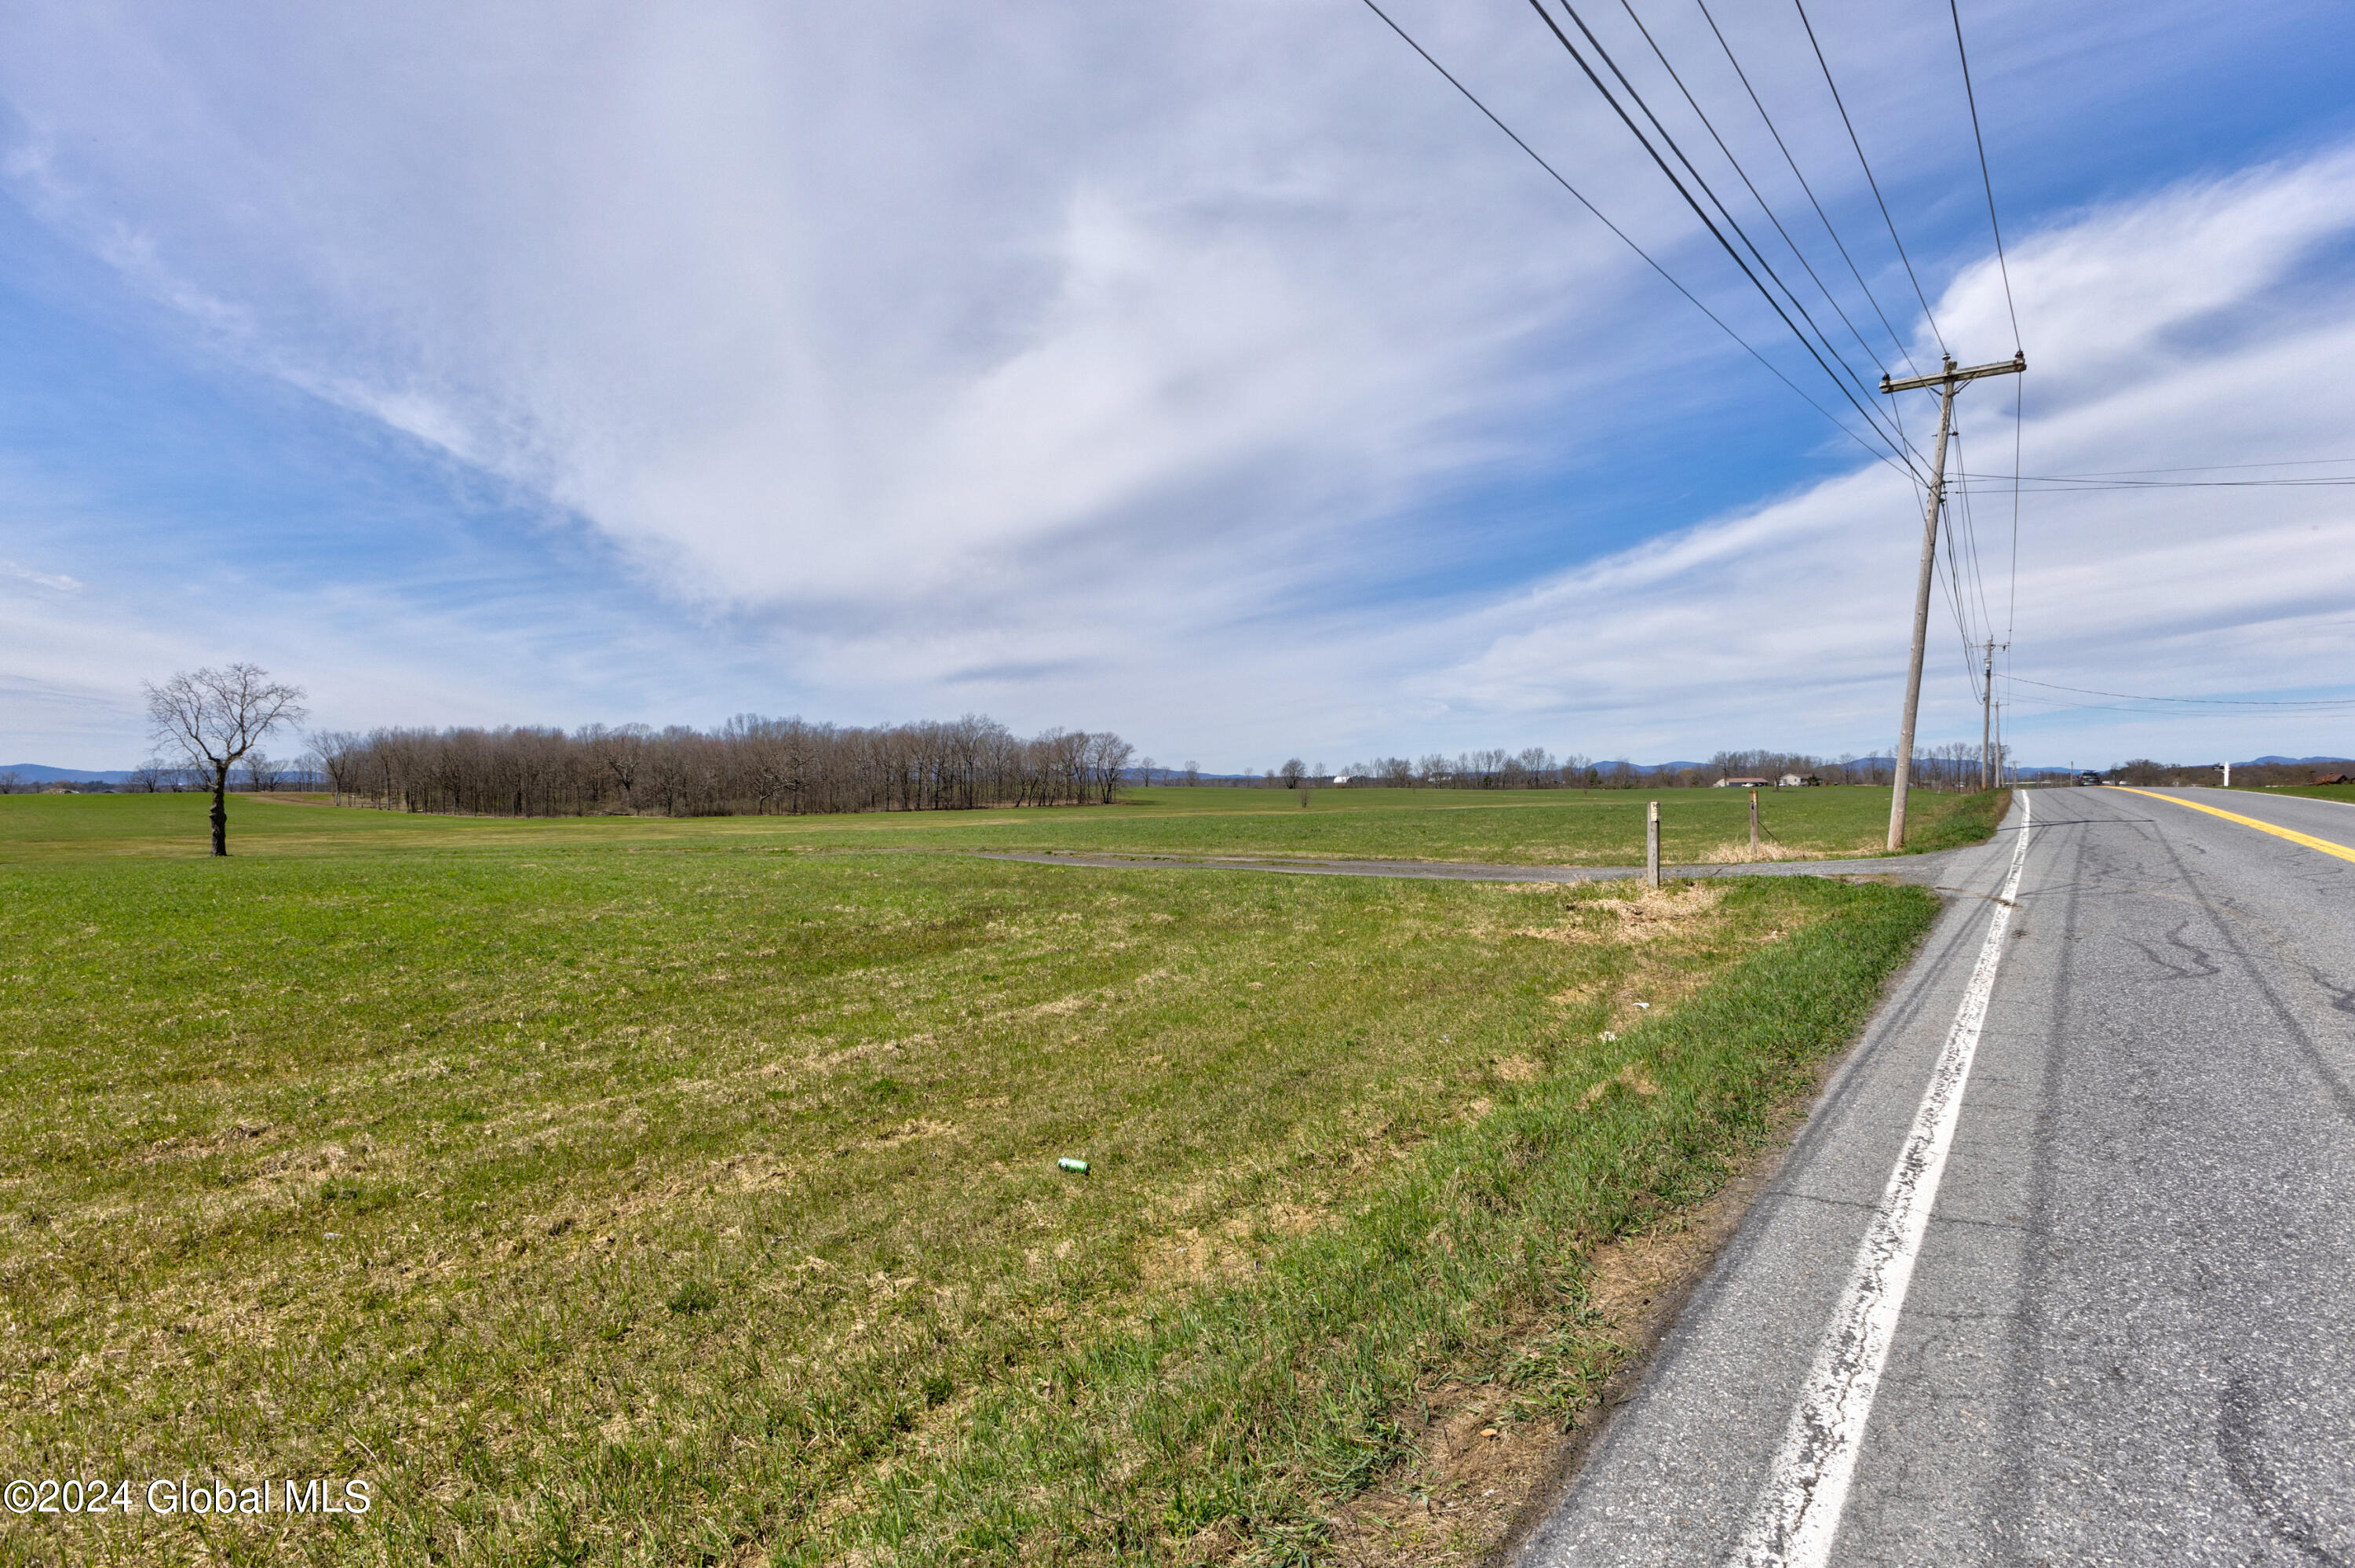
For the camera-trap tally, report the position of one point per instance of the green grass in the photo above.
(648, 1193)
(2315, 791)
(1954, 821)
(1537, 827)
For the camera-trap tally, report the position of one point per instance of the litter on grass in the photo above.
(1076, 1167)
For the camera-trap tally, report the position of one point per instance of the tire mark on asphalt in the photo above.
(2063, 880)
(2201, 964)
(2325, 1074)
(2244, 1462)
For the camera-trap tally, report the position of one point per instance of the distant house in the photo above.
(2335, 778)
(1341, 777)
(1796, 780)
(1745, 784)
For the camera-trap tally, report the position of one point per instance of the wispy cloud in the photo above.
(57, 582)
(1153, 368)
(2186, 328)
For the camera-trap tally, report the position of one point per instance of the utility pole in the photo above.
(1948, 381)
(1987, 714)
(1990, 769)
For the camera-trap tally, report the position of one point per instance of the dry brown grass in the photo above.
(1737, 852)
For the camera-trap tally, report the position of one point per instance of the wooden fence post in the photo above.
(1652, 845)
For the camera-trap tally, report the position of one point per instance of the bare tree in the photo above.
(11, 781)
(1106, 759)
(1193, 774)
(214, 717)
(1295, 770)
(262, 771)
(340, 755)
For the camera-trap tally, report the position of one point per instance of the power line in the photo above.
(2068, 483)
(1927, 314)
(1627, 240)
(2012, 594)
(1764, 206)
(1956, 595)
(1724, 212)
(1825, 217)
(1715, 233)
(2054, 706)
(1972, 99)
(2207, 468)
(2287, 462)
(1971, 543)
(2205, 702)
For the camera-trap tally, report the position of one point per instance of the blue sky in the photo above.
(1213, 373)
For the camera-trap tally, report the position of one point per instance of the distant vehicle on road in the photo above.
(2089, 778)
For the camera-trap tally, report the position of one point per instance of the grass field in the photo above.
(1535, 826)
(2316, 791)
(649, 1192)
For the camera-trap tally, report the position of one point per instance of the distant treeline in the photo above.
(750, 765)
(1952, 767)
(755, 765)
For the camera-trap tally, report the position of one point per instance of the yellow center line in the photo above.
(2308, 839)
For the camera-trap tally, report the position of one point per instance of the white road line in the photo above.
(1798, 1511)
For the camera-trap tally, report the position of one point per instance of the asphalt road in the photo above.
(2124, 1331)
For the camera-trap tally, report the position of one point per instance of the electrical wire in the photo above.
(2205, 468)
(1896, 442)
(1771, 130)
(2068, 483)
(1927, 314)
(2204, 701)
(1628, 240)
(1971, 540)
(1984, 178)
(2054, 706)
(1958, 601)
(1715, 233)
(2012, 594)
(1749, 185)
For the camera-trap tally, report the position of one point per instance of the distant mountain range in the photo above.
(42, 773)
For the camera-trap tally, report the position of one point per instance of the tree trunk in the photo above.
(220, 810)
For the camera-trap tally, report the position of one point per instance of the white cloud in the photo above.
(2172, 332)
(1080, 365)
(57, 582)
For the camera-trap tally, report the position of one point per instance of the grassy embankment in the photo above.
(1534, 827)
(612, 1196)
